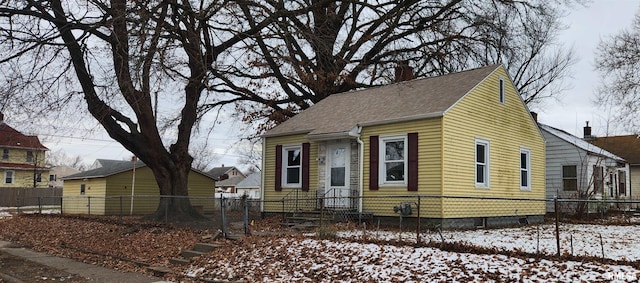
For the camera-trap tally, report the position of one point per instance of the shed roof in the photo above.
(340, 113)
(112, 167)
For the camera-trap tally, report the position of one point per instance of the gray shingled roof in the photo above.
(109, 167)
(112, 167)
(340, 113)
(252, 181)
(218, 171)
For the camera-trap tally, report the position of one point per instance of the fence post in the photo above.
(245, 205)
(418, 226)
(166, 208)
(322, 211)
(223, 216)
(89, 205)
(121, 207)
(283, 218)
(39, 205)
(555, 204)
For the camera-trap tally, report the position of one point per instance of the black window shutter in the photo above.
(278, 168)
(412, 174)
(373, 162)
(306, 148)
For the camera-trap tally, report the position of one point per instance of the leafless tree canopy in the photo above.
(342, 45)
(618, 62)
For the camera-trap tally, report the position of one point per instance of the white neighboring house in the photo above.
(579, 169)
(56, 174)
(250, 186)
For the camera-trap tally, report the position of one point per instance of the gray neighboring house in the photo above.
(579, 169)
(226, 178)
(250, 186)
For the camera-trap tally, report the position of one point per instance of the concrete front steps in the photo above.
(186, 255)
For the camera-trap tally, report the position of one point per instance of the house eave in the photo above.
(402, 119)
(268, 135)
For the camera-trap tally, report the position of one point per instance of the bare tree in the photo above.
(343, 45)
(618, 62)
(60, 158)
(117, 56)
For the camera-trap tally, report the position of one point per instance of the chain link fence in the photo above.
(420, 218)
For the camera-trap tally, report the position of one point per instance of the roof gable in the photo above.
(419, 98)
(10, 137)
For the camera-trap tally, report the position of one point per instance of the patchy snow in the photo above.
(6, 212)
(299, 259)
(618, 242)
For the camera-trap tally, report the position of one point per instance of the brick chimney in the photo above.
(534, 115)
(587, 132)
(1, 117)
(403, 72)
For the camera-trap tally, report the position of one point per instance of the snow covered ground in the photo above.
(618, 242)
(292, 259)
(9, 211)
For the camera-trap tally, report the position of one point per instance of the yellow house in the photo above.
(22, 164)
(464, 142)
(108, 190)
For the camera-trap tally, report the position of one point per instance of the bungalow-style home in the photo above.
(226, 178)
(126, 187)
(627, 147)
(250, 186)
(465, 141)
(23, 159)
(225, 172)
(579, 169)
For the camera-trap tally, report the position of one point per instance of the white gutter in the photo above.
(361, 163)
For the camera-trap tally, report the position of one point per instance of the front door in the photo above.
(337, 193)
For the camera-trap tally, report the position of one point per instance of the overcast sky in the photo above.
(587, 26)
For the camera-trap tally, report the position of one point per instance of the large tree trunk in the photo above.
(175, 205)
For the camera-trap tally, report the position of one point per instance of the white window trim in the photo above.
(13, 177)
(528, 153)
(487, 169)
(501, 92)
(284, 165)
(382, 172)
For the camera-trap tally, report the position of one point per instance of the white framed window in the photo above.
(5, 153)
(29, 156)
(501, 90)
(569, 178)
(292, 166)
(8, 177)
(525, 169)
(393, 160)
(482, 163)
(38, 177)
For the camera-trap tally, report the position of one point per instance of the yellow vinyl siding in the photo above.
(429, 167)
(271, 196)
(508, 128)
(23, 177)
(112, 194)
(19, 156)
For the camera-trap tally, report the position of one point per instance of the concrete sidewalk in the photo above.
(93, 272)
